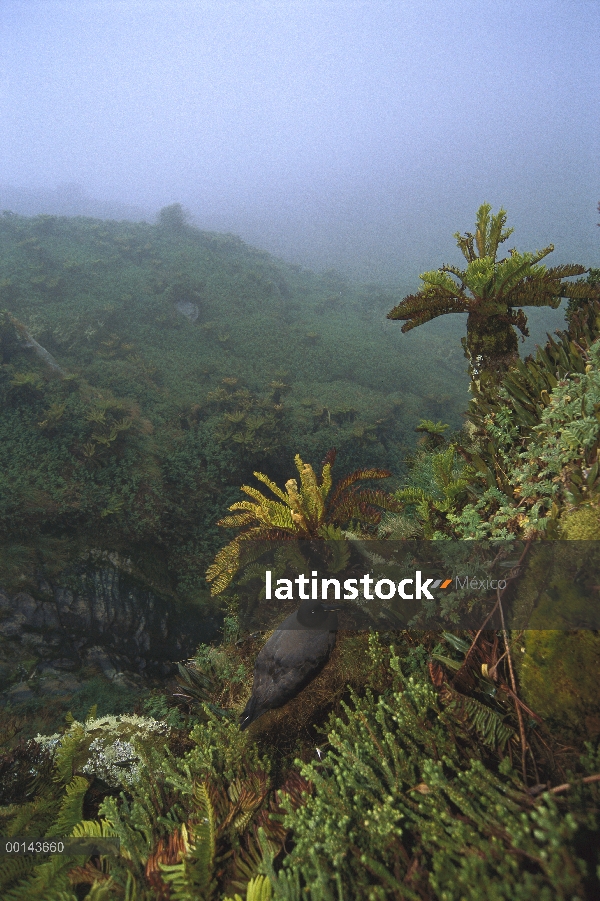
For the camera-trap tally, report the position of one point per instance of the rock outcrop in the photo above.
(103, 623)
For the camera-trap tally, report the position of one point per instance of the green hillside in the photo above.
(184, 361)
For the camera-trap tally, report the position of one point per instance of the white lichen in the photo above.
(112, 743)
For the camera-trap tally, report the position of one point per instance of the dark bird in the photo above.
(292, 656)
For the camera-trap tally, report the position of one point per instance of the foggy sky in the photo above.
(334, 133)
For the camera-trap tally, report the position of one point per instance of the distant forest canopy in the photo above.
(176, 363)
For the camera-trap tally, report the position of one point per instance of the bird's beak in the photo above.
(329, 607)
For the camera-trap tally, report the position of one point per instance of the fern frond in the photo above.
(259, 889)
(356, 476)
(310, 494)
(224, 567)
(14, 869)
(33, 817)
(135, 843)
(48, 882)
(271, 484)
(428, 304)
(548, 289)
(326, 481)
(479, 275)
(439, 279)
(66, 751)
(71, 808)
(567, 270)
(254, 493)
(193, 877)
(93, 829)
(487, 723)
(241, 519)
(494, 233)
(511, 271)
(270, 513)
(339, 547)
(412, 495)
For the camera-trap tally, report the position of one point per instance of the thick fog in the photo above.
(333, 133)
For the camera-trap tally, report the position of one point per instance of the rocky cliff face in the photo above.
(103, 623)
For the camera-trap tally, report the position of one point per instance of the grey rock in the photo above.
(129, 680)
(19, 693)
(58, 685)
(98, 658)
(65, 663)
(188, 309)
(99, 616)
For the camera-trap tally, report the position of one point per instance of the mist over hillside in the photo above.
(332, 135)
(66, 200)
(72, 200)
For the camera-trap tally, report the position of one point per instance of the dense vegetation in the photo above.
(180, 361)
(417, 765)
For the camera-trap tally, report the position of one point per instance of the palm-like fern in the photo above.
(491, 291)
(303, 512)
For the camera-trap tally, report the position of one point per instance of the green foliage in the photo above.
(259, 889)
(534, 448)
(137, 441)
(408, 799)
(194, 875)
(435, 488)
(491, 291)
(396, 812)
(306, 512)
(71, 808)
(157, 707)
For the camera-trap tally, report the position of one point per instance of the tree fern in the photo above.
(490, 291)
(304, 512)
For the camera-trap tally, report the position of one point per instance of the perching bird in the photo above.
(292, 656)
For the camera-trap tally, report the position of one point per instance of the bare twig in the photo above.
(558, 789)
(492, 669)
(499, 593)
(514, 688)
(527, 709)
(567, 785)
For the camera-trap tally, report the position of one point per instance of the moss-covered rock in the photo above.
(559, 679)
(581, 524)
(559, 652)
